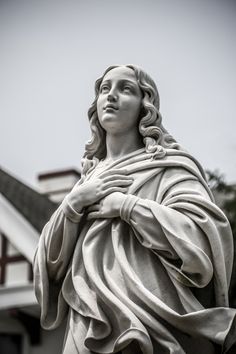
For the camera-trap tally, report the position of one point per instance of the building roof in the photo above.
(61, 173)
(35, 207)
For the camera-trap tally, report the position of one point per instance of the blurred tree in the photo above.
(225, 196)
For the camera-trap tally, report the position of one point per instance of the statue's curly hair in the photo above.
(155, 136)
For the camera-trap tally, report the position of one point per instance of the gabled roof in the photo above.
(33, 206)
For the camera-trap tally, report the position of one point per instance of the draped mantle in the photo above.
(155, 279)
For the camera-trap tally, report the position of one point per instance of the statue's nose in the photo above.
(112, 97)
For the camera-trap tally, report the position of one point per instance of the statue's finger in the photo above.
(113, 172)
(94, 215)
(113, 190)
(94, 207)
(117, 183)
(115, 177)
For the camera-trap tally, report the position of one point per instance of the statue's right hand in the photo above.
(93, 190)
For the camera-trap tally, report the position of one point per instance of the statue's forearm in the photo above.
(60, 235)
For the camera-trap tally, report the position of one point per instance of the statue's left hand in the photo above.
(108, 207)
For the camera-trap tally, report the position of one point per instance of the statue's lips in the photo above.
(110, 107)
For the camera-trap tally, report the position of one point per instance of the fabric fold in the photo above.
(156, 278)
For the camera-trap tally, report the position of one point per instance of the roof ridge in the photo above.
(35, 207)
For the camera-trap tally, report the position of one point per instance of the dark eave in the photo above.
(35, 207)
(61, 173)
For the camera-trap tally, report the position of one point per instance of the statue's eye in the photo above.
(104, 88)
(127, 88)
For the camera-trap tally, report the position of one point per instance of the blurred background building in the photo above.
(23, 213)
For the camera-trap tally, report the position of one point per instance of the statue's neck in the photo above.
(123, 144)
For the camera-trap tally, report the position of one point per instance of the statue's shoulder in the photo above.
(184, 161)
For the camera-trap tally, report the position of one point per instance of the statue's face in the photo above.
(119, 101)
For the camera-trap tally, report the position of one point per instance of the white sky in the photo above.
(51, 52)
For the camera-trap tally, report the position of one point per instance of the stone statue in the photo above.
(137, 257)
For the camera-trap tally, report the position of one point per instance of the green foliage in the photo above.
(217, 182)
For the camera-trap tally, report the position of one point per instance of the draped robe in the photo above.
(155, 279)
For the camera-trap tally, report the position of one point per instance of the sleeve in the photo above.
(187, 231)
(52, 258)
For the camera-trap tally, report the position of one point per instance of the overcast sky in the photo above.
(51, 52)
